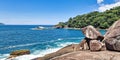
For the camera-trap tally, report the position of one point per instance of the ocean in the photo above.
(39, 42)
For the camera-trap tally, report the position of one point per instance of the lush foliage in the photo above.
(98, 19)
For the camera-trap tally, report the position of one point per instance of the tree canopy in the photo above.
(97, 19)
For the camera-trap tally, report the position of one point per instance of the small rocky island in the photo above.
(2, 24)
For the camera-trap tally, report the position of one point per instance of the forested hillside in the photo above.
(100, 20)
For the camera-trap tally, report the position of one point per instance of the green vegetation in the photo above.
(100, 20)
(61, 24)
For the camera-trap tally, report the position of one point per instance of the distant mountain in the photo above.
(97, 19)
(2, 24)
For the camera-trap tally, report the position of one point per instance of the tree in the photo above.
(98, 19)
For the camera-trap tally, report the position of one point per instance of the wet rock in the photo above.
(18, 53)
(112, 37)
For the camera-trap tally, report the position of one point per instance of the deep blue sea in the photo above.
(39, 42)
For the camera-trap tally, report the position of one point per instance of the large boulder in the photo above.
(95, 45)
(112, 37)
(91, 33)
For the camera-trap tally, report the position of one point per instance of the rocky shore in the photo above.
(93, 47)
(88, 55)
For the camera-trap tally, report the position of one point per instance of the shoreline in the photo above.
(92, 43)
(58, 52)
(81, 28)
(37, 53)
(73, 28)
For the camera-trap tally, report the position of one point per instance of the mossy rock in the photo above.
(20, 52)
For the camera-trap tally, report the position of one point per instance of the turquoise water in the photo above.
(39, 42)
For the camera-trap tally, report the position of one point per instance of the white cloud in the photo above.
(108, 6)
(99, 1)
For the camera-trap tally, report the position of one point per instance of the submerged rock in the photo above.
(112, 37)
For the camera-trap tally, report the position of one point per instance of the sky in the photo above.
(49, 12)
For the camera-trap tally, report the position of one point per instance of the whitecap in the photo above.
(65, 44)
(36, 54)
(20, 45)
(74, 38)
(39, 53)
(60, 39)
(30, 44)
(4, 56)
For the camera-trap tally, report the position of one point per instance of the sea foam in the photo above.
(3, 56)
(36, 54)
(40, 53)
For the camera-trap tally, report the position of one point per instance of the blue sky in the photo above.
(50, 12)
